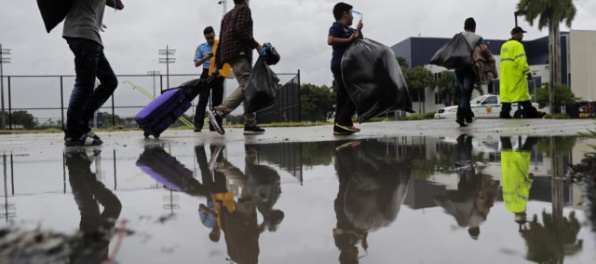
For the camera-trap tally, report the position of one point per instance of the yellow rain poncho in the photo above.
(514, 69)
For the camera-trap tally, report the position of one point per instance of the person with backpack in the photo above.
(466, 76)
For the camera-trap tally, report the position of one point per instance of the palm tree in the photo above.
(446, 87)
(550, 13)
(403, 64)
(418, 79)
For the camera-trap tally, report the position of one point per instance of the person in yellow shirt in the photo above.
(205, 58)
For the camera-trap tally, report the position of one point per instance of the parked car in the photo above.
(484, 106)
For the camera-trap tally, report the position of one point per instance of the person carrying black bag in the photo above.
(466, 76)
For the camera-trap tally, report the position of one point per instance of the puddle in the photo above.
(406, 200)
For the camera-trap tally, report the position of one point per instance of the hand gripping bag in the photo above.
(374, 79)
(455, 54)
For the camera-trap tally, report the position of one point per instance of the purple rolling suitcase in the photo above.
(162, 112)
(167, 170)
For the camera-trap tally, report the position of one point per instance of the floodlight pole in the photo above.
(519, 13)
(167, 60)
(153, 73)
(225, 6)
(3, 59)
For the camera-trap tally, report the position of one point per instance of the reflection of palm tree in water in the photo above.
(240, 225)
(89, 193)
(551, 241)
(475, 194)
(372, 186)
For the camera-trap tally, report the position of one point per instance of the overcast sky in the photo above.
(298, 28)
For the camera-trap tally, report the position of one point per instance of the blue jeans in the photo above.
(85, 99)
(466, 78)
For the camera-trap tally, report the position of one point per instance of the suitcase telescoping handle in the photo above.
(210, 78)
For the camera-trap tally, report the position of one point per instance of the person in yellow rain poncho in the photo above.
(515, 73)
(517, 179)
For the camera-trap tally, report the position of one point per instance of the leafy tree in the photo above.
(418, 79)
(23, 118)
(563, 96)
(107, 120)
(550, 13)
(317, 153)
(316, 102)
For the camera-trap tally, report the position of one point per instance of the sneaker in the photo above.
(84, 140)
(354, 128)
(215, 121)
(92, 135)
(351, 129)
(461, 122)
(253, 130)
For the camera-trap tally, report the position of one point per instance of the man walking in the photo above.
(466, 76)
(515, 73)
(341, 35)
(205, 56)
(81, 31)
(235, 47)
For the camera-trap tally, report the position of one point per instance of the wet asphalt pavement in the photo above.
(397, 192)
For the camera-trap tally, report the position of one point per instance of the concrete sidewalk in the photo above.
(24, 143)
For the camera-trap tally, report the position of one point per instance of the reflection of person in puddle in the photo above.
(517, 181)
(240, 225)
(372, 186)
(89, 193)
(215, 183)
(475, 194)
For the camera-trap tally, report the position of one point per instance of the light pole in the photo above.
(167, 60)
(519, 13)
(3, 59)
(225, 6)
(153, 73)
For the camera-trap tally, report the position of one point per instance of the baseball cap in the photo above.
(517, 30)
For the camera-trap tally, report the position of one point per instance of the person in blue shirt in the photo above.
(341, 35)
(203, 58)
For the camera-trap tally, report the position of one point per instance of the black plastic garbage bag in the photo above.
(53, 12)
(374, 79)
(455, 54)
(261, 88)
